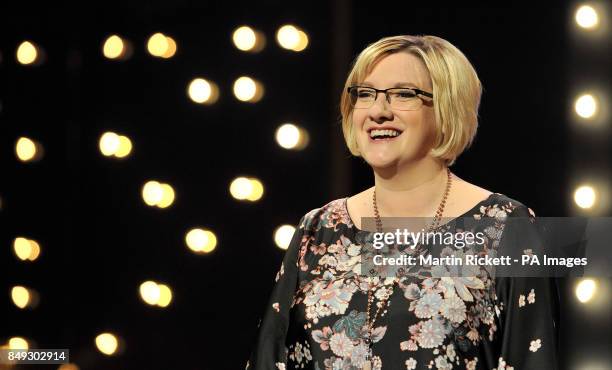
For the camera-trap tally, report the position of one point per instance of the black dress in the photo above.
(317, 311)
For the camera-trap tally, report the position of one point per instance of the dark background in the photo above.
(100, 241)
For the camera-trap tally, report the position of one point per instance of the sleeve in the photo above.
(528, 305)
(269, 351)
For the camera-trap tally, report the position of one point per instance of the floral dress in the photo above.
(316, 314)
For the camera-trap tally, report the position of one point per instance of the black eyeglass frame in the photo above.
(417, 91)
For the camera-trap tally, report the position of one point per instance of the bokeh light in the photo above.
(283, 235)
(290, 136)
(586, 17)
(585, 290)
(158, 194)
(246, 89)
(28, 150)
(248, 39)
(201, 240)
(28, 53)
(107, 343)
(585, 196)
(202, 91)
(586, 106)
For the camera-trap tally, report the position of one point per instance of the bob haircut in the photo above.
(456, 89)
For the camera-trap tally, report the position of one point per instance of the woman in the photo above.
(409, 109)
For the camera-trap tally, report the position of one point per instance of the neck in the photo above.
(413, 190)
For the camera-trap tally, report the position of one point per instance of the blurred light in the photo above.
(165, 295)
(27, 53)
(20, 296)
(302, 42)
(171, 50)
(586, 106)
(152, 193)
(290, 136)
(288, 37)
(203, 92)
(585, 290)
(109, 143)
(247, 39)
(257, 190)
(26, 249)
(158, 194)
(149, 292)
(246, 188)
(125, 147)
(201, 240)
(107, 343)
(585, 196)
(586, 17)
(283, 235)
(241, 188)
(247, 89)
(68, 367)
(116, 48)
(18, 343)
(167, 196)
(28, 149)
(158, 45)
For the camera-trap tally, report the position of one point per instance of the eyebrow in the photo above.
(398, 84)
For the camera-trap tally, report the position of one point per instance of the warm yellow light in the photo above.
(109, 143)
(107, 343)
(22, 248)
(167, 196)
(201, 240)
(158, 45)
(241, 188)
(586, 106)
(34, 250)
(18, 343)
(152, 193)
(20, 296)
(244, 38)
(149, 292)
(203, 91)
(27, 53)
(290, 136)
(125, 147)
(171, 50)
(585, 196)
(586, 17)
(288, 37)
(257, 190)
(283, 235)
(585, 290)
(25, 148)
(113, 47)
(247, 89)
(165, 295)
(302, 42)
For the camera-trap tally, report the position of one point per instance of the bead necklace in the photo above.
(370, 325)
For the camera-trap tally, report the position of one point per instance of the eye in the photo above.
(365, 93)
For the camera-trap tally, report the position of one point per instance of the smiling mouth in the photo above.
(384, 135)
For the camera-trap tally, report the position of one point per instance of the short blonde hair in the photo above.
(456, 89)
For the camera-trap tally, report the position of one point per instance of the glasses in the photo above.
(401, 98)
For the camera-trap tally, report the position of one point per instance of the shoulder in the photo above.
(329, 216)
(491, 202)
(501, 206)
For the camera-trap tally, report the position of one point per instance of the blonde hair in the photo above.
(456, 89)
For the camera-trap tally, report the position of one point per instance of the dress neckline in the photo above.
(476, 206)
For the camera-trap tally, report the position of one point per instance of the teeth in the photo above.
(376, 133)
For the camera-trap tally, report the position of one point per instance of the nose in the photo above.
(380, 110)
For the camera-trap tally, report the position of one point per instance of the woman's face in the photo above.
(416, 127)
